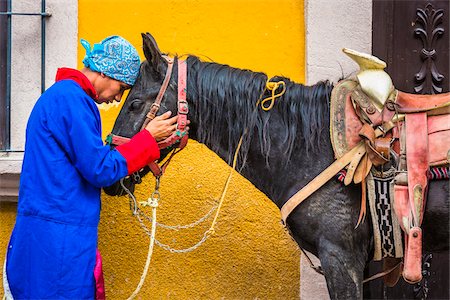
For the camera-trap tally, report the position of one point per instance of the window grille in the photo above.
(6, 15)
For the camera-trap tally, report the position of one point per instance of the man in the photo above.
(52, 250)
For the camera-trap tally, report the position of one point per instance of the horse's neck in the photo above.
(266, 165)
(277, 178)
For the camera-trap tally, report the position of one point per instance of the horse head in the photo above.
(144, 92)
(152, 74)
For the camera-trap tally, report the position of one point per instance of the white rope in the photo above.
(137, 211)
(7, 295)
(179, 227)
(154, 204)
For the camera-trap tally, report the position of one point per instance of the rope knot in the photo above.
(273, 86)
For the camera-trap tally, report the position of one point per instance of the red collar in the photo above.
(78, 77)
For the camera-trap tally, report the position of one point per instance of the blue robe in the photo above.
(52, 250)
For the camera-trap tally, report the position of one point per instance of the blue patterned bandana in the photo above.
(115, 57)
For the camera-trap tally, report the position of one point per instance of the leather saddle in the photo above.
(414, 127)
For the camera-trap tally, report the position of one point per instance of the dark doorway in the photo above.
(435, 284)
(412, 37)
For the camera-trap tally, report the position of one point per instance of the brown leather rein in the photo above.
(180, 135)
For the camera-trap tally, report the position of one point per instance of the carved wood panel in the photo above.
(413, 38)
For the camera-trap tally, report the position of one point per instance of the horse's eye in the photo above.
(136, 104)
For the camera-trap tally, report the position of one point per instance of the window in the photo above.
(23, 48)
(3, 72)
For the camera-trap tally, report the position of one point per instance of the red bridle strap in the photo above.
(180, 134)
(155, 106)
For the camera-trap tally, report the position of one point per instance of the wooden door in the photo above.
(412, 37)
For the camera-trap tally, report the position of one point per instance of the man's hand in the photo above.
(161, 127)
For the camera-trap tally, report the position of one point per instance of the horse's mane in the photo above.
(227, 105)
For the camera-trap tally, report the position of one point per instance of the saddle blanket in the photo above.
(380, 195)
(386, 230)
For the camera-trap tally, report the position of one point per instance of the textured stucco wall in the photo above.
(250, 256)
(331, 26)
(26, 55)
(26, 81)
(61, 41)
(7, 220)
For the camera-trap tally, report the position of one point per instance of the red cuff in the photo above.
(141, 150)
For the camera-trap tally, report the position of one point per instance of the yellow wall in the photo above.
(250, 256)
(7, 219)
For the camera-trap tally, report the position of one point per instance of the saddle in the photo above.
(414, 129)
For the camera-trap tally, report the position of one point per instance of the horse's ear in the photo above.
(151, 51)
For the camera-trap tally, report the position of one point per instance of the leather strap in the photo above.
(412, 271)
(410, 103)
(362, 170)
(417, 162)
(383, 146)
(118, 140)
(318, 181)
(368, 133)
(181, 134)
(155, 106)
(362, 211)
(327, 174)
(158, 170)
(183, 110)
(355, 161)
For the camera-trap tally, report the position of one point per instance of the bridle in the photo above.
(175, 143)
(180, 135)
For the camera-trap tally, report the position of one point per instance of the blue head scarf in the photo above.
(115, 57)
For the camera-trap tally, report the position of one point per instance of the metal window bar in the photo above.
(9, 14)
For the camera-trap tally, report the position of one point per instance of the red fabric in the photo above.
(141, 150)
(99, 280)
(78, 77)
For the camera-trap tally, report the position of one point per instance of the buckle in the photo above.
(183, 107)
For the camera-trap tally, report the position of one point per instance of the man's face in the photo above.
(110, 89)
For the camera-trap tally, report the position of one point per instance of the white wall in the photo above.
(330, 26)
(61, 50)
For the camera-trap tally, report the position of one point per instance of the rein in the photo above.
(181, 134)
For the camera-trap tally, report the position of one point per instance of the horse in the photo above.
(282, 150)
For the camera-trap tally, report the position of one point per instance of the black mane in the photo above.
(227, 95)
